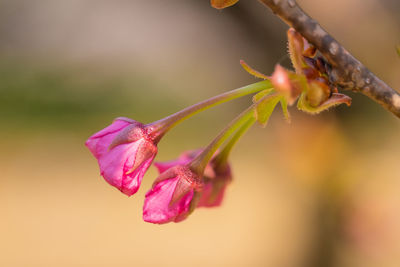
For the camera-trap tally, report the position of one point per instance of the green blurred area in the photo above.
(71, 98)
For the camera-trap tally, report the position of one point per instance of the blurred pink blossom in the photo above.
(214, 186)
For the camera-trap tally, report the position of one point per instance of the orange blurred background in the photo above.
(321, 191)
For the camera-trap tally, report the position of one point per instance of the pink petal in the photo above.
(157, 207)
(99, 142)
(116, 167)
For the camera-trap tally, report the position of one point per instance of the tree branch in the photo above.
(347, 72)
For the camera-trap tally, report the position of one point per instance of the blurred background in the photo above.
(323, 191)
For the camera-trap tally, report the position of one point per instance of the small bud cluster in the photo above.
(126, 148)
(318, 93)
(309, 84)
(124, 152)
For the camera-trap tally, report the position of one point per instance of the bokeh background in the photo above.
(323, 191)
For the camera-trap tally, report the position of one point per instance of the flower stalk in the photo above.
(199, 163)
(158, 128)
(221, 160)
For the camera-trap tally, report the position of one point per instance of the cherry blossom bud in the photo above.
(216, 178)
(124, 152)
(170, 199)
(214, 186)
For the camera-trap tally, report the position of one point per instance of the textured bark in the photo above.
(347, 72)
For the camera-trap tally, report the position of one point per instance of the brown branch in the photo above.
(347, 72)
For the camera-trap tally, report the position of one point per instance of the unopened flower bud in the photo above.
(124, 152)
(215, 178)
(214, 186)
(171, 195)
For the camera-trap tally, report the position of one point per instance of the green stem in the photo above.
(221, 160)
(200, 162)
(159, 128)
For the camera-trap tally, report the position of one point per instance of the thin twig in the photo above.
(347, 72)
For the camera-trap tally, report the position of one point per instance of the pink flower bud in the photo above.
(214, 186)
(124, 152)
(172, 195)
(283, 83)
